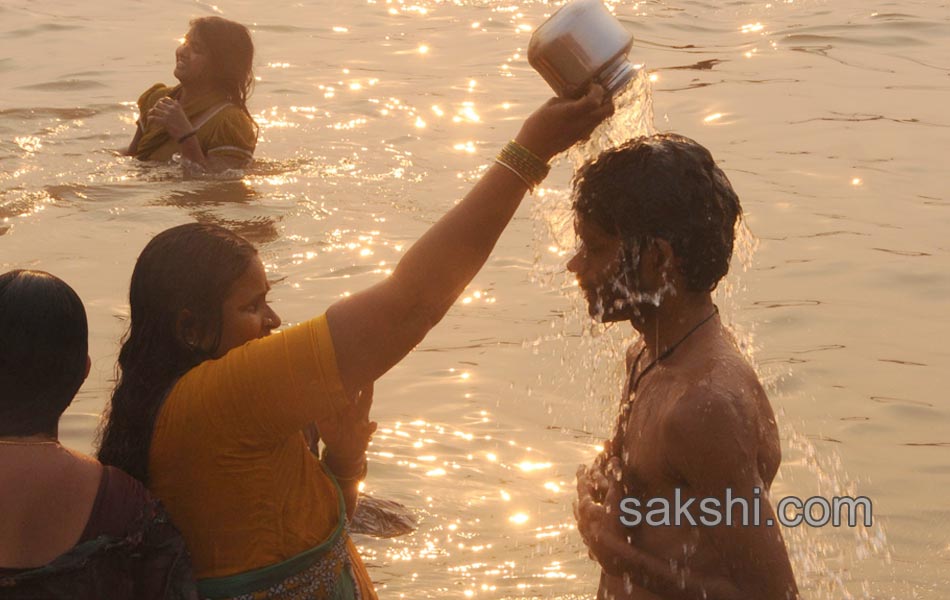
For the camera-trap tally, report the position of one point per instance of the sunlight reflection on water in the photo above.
(828, 117)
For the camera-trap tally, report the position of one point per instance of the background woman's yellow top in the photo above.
(230, 463)
(224, 129)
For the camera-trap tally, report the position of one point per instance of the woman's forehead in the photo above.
(194, 36)
(253, 280)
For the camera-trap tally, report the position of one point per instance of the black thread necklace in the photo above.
(666, 353)
(632, 388)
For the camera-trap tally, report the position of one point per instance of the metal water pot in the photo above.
(582, 43)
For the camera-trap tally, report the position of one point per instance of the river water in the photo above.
(829, 116)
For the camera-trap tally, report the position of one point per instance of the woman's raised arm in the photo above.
(374, 329)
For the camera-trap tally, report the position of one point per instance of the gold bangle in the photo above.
(524, 163)
(516, 172)
(533, 169)
(361, 472)
(527, 154)
(358, 477)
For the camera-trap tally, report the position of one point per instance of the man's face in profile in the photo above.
(600, 270)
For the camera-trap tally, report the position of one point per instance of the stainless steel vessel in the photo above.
(582, 43)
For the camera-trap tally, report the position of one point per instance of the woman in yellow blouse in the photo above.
(204, 118)
(210, 406)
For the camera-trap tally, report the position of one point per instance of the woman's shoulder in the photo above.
(233, 112)
(233, 126)
(260, 390)
(231, 115)
(120, 503)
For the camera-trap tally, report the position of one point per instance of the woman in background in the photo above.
(210, 406)
(204, 118)
(69, 527)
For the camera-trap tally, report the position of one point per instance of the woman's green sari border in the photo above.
(271, 575)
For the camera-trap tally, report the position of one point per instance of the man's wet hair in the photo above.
(43, 349)
(664, 186)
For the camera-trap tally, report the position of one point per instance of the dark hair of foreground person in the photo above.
(43, 354)
(69, 527)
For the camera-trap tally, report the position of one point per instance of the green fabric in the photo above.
(271, 575)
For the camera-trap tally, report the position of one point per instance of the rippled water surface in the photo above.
(830, 118)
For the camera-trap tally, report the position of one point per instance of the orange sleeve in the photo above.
(269, 388)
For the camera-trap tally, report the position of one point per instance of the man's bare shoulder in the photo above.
(718, 392)
(735, 375)
(723, 373)
(710, 402)
(722, 416)
(711, 434)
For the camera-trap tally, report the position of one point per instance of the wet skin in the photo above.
(700, 422)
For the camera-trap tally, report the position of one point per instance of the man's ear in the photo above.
(668, 263)
(665, 257)
(659, 260)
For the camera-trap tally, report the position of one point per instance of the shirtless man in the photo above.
(656, 221)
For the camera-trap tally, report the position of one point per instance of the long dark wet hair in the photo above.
(231, 52)
(186, 270)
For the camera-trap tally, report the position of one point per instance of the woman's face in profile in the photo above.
(246, 315)
(192, 62)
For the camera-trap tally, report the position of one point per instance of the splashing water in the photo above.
(821, 558)
(633, 118)
(599, 360)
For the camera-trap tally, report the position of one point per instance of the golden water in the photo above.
(828, 116)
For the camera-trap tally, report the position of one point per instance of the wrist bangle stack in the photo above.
(348, 473)
(359, 476)
(524, 163)
(182, 139)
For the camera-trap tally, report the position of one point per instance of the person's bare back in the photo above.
(56, 488)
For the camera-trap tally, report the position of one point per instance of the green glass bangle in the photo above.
(343, 478)
(524, 163)
(328, 460)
